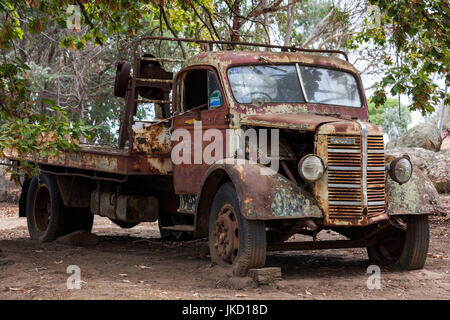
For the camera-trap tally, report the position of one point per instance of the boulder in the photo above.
(445, 143)
(80, 238)
(435, 165)
(424, 135)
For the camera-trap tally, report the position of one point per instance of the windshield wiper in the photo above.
(271, 64)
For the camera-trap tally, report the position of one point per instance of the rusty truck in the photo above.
(333, 172)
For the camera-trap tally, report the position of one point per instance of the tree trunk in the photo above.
(236, 21)
(289, 23)
(266, 24)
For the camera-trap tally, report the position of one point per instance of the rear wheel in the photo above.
(45, 210)
(234, 241)
(406, 249)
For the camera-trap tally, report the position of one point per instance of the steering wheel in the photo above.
(251, 94)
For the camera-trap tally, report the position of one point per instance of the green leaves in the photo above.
(30, 122)
(41, 135)
(419, 33)
(387, 116)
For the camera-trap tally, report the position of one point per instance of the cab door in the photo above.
(197, 89)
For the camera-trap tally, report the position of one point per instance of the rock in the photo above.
(80, 238)
(446, 143)
(265, 275)
(424, 135)
(435, 165)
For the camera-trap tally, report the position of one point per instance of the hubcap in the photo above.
(42, 209)
(226, 234)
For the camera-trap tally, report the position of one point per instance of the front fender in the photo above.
(264, 194)
(417, 196)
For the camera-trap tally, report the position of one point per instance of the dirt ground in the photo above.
(135, 264)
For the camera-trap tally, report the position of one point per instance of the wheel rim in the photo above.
(42, 209)
(226, 235)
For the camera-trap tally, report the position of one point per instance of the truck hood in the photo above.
(306, 122)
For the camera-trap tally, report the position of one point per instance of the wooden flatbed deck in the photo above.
(107, 159)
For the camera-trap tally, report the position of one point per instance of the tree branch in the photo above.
(171, 30)
(89, 22)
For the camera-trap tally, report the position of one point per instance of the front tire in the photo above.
(403, 249)
(234, 241)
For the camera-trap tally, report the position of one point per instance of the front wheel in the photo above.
(405, 249)
(234, 241)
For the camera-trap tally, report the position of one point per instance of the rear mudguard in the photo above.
(263, 193)
(417, 196)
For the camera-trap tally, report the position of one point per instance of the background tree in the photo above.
(415, 36)
(393, 122)
(55, 81)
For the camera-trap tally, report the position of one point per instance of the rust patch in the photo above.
(417, 196)
(151, 139)
(289, 121)
(351, 193)
(264, 194)
(105, 159)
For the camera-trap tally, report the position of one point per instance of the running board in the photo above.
(180, 227)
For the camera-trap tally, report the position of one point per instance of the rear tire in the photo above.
(403, 249)
(234, 241)
(46, 218)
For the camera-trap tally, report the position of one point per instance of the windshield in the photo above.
(293, 84)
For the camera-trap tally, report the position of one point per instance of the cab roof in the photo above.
(224, 59)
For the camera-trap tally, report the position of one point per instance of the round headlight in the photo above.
(311, 168)
(401, 169)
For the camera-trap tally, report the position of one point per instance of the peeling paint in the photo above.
(267, 196)
(417, 196)
(151, 138)
(287, 201)
(287, 121)
(104, 159)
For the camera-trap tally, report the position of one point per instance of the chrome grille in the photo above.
(345, 177)
(375, 175)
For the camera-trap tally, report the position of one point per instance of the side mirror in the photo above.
(122, 78)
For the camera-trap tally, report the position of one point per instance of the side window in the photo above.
(195, 87)
(214, 96)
